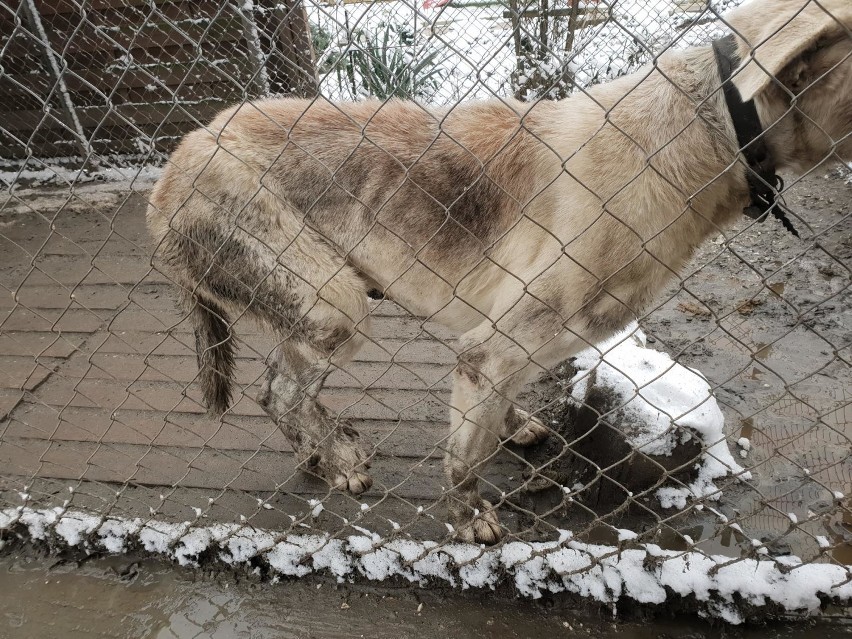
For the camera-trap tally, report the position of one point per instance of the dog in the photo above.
(534, 230)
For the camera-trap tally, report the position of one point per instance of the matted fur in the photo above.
(532, 229)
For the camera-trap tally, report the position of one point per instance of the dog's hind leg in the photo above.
(293, 282)
(330, 333)
(324, 445)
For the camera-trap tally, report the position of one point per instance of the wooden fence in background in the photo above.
(89, 78)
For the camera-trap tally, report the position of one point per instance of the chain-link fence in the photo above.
(475, 275)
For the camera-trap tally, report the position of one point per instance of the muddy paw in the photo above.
(529, 430)
(356, 482)
(480, 525)
(341, 462)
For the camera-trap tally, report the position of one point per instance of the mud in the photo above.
(47, 597)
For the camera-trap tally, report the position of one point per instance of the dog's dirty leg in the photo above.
(328, 336)
(486, 380)
(323, 444)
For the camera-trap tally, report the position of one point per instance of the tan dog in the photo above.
(533, 229)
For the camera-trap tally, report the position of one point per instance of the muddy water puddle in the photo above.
(747, 428)
(126, 598)
(762, 351)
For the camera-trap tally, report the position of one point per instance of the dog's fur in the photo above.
(533, 229)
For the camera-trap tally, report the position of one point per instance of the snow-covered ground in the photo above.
(644, 573)
(54, 172)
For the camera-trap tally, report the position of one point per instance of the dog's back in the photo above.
(283, 210)
(533, 230)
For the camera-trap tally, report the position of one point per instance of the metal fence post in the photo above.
(53, 67)
(257, 59)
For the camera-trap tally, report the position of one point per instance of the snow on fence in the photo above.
(703, 454)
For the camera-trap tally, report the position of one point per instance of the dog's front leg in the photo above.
(485, 382)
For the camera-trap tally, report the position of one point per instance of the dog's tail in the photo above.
(215, 347)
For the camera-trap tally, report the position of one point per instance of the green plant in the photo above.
(387, 68)
(380, 64)
(320, 38)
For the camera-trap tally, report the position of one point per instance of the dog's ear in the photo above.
(773, 34)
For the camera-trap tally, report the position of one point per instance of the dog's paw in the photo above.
(356, 482)
(341, 462)
(529, 429)
(479, 525)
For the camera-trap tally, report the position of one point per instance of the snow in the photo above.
(316, 507)
(114, 533)
(476, 44)
(625, 535)
(646, 574)
(661, 404)
(288, 558)
(51, 173)
(246, 543)
(157, 536)
(76, 527)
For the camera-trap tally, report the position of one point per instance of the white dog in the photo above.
(533, 229)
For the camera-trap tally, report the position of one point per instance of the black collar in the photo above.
(763, 183)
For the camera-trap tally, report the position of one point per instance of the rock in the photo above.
(595, 444)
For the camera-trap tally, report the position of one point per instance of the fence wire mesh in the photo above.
(439, 222)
